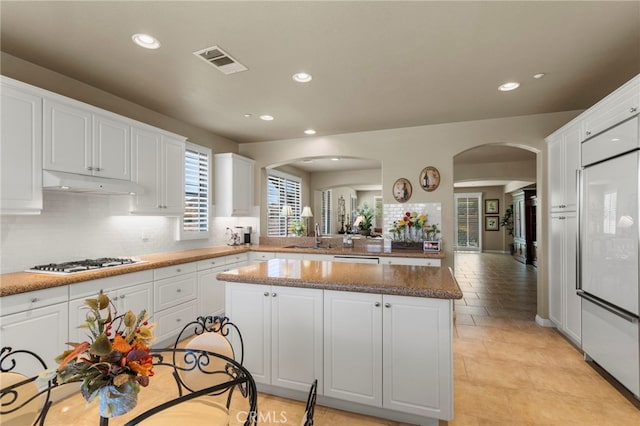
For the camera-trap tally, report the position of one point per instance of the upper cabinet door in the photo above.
(67, 138)
(173, 175)
(111, 148)
(615, 108)
(20, 151)
(145, 169)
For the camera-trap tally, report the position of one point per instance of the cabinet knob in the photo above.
(387, 305)
(266, 293)
(588, 132)
(633, 109)
(122, 297)
(274, 294)
(179, 270)
(97, 169)
(115, 297)
(179, 290)
(34, 300)
(89, 168)
(178, 319)
(377, 304)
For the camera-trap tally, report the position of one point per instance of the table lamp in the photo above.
(286, 212)
(306, 213)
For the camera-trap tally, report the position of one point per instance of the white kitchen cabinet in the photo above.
(260, 256)
(175, 292)
(20, 148)
(157, 165)
(353, 347)
(36, 321)
(618, 106)
(211, 292)
(290, 255)
(282, 332)
(233, 185)
(392, 363)
(79, 140)
(132, 292)
(564, 303)
(563, 163)
(411, 261)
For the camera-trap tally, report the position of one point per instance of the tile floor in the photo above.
(508, 370)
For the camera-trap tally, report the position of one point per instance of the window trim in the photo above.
(479, 197)
(296, 207)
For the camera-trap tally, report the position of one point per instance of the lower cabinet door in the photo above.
(171, 321)
(41, 330)
(353, 347)
(296, 337)
(418, 363)
(210, 292)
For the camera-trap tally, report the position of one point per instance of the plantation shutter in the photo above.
(196, 190)
(282, 189)
(326, 212)
(468, 221)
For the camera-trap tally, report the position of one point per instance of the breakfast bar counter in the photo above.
(402, 280)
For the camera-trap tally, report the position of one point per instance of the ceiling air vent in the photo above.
(220, 59)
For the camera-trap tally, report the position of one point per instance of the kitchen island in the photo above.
(377, 337)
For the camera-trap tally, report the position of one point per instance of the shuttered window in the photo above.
(468, 221)
(282, 189)
(195, 220)
(326, 212)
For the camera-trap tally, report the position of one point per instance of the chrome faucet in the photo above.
(317, 232)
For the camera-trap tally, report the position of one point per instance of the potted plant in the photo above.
(507, 222)
(365, 218)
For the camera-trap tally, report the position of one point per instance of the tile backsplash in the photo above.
(392, 212)
(79, 226)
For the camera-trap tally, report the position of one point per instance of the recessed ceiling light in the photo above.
(302, 77)
(539, 75)
(309, 132)
(266, 117)
(335, 159)
(512, 85)
(146, 41)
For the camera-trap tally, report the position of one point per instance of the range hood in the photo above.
(71, 182)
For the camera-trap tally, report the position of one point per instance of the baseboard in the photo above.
(496, 251)
(543, 322)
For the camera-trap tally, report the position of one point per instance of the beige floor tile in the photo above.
(465, 319)
(461, 420)
(496, 373)
(478, 400)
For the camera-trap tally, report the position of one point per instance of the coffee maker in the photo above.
(246, 230)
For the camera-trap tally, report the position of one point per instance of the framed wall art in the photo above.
(402, 190)
(492, 206)
(429, 178)
(491, 223)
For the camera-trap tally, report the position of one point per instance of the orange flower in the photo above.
(120, 345)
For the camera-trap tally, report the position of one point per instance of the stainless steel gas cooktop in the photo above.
(85, 265)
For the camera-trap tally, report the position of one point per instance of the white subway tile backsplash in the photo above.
(392, 212)
(78, 226)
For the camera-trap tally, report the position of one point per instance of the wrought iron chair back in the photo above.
(309, 409)
(21, 401)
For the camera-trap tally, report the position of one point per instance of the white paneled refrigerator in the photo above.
(609, 238)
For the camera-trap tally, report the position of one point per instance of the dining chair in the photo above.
(22, 401)
(207, 372)
(309, 409)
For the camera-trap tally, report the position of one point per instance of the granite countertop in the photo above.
(21, 282)
(356, 251)
(402, 280)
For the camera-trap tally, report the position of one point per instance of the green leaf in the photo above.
(101, 346)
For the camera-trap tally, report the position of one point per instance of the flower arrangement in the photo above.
(115, 362)
(296, 227)
(413, 227)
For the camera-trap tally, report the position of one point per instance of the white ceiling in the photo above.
(375, 65)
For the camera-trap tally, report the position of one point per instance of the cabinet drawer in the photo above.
(91, 288)
(240, 257)
(409, 261)
(176, 290)
(615, 108)
(214, 262)
(33, 300)
(262, 256)
(170, 322)
(174, 270)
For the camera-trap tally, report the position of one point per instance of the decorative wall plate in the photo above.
(402, 190)
(429, 178)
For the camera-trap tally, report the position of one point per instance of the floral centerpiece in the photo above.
(296, 227)
(365, 218)
(115, 362)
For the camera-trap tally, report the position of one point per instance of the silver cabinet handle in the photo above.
(377, 304)
(97, 169)
(89, 168)
(34, 300)
(178, 270)
(387, 305)
(588, 132)
(178, 319)
(122, 297)
(266, 293)
(179, 290)
(633, 109)
(115, 297)
(274, 294)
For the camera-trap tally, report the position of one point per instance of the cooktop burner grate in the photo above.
(83, 265)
